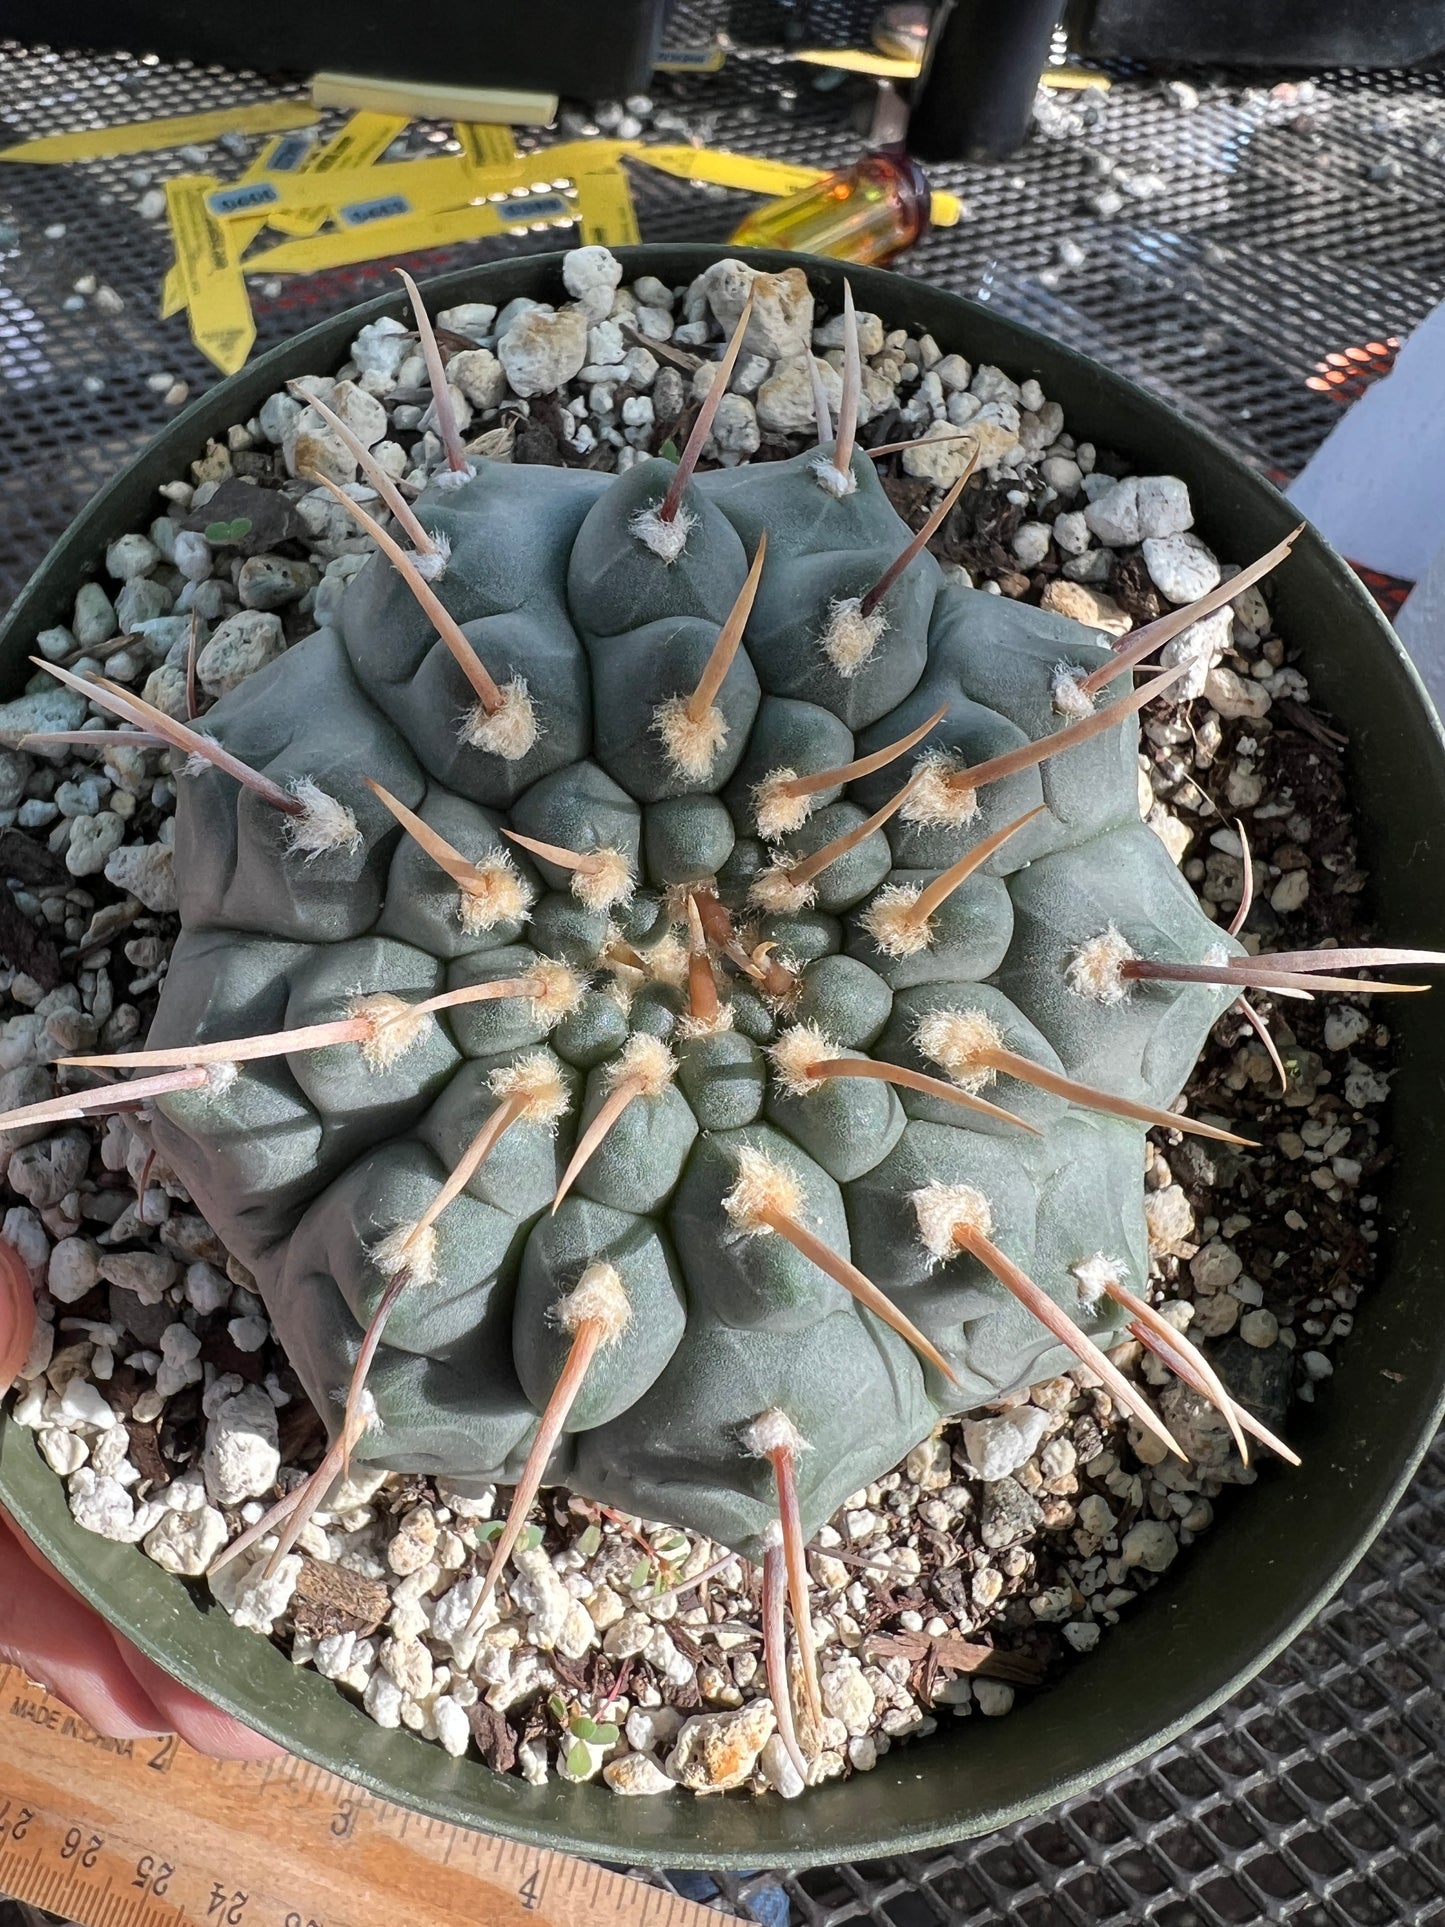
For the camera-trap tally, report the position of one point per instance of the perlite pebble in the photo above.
(715, 1751)
(1180, 567)
(241, 1459)
(1149, 1544)
(242, 644)
(541, 351)
(1000, 1445)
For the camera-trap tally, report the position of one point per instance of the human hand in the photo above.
(57, 1640)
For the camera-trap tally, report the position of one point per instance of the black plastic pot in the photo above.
(1279, 1549)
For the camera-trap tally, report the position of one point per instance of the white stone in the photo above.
(784, 402)
(379, 349)
(1233, 696)
(539, 1592)
(782, 319)
(715, 1751)
(1291, 892)
(206, 1287)
(186, 1542)
(1180, 567)
(992, 384)
(382, 1700)
(775, 1763)
(1113, 513)
(64, 1452)
(92, 839)
(1200, 645)
(1163, 506)
(74, 1269)
(940, 457)
(651, 1727)
(1031, 543)
(1062, 473)
(260, 1602)
(849, 1698)
(102, 1505)
(1215, 1266)
(1149, 1544)
(82, 1405)
(453, 1729)
(735, 427)
(998, 1446)
(541, 351)
(993, 1697)
(130, 556)
(637, 1774)
(470, 318)
(590, 275)
(239, 646)
(1071, 532)
(241, 1458)
(954, 372)
(479, 375)
(1345, 1025)
(248, 1334)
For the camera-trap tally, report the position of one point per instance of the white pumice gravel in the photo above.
(622, 1649)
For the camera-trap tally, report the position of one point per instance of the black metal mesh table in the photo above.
(1226, 244)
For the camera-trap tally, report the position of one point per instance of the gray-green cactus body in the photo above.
(307, 1163)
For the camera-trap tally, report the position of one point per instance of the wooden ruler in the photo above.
(146, 1833)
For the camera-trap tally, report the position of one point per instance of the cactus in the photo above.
(671, 993)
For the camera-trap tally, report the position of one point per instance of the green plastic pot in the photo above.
(1279, 1549)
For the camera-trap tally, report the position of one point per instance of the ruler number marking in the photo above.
(530, 1892)
(77, 1846)
(343, 1821)
(153, 1876)
(164, 1756)
(18, 1826)
(229, 1909)
(295, 1920)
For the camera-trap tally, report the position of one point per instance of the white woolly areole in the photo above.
(666, 960)
(555, 990)
(534, 1084)
(690, 745)
(645, 1061)
(607, 881)
(447, 478)
(774, 889)
(393, 1028)
(431, 565)
(1217, 955)
(891, 923)
(1095, 969)
(667, 540)
(1095, 1275)
(773, 1431)
(943, 1209)
(411, 1248)
(324, 824)
(599, 1297)
(720, 1019)
(496, 893)
(197, 763)
(935, 797)
(220, 1078)
(772, 1536)
(794, 1051)
(511, 729)
(776, 813)
(1071, 699)
(850, 637)
(837, 481)
(955, 1040)
(762, 1185)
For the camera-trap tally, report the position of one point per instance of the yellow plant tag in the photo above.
(485, 144)
(753, 173)
(286, 154)
(707, 59)
(177, 130)
(604, 208)
(357, 145)
(222, 325)
(447, 181)
(404, 232)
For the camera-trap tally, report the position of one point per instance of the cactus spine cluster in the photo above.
(671, 991)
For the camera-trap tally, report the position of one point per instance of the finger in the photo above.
(55, 1639)
(203, 1727)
